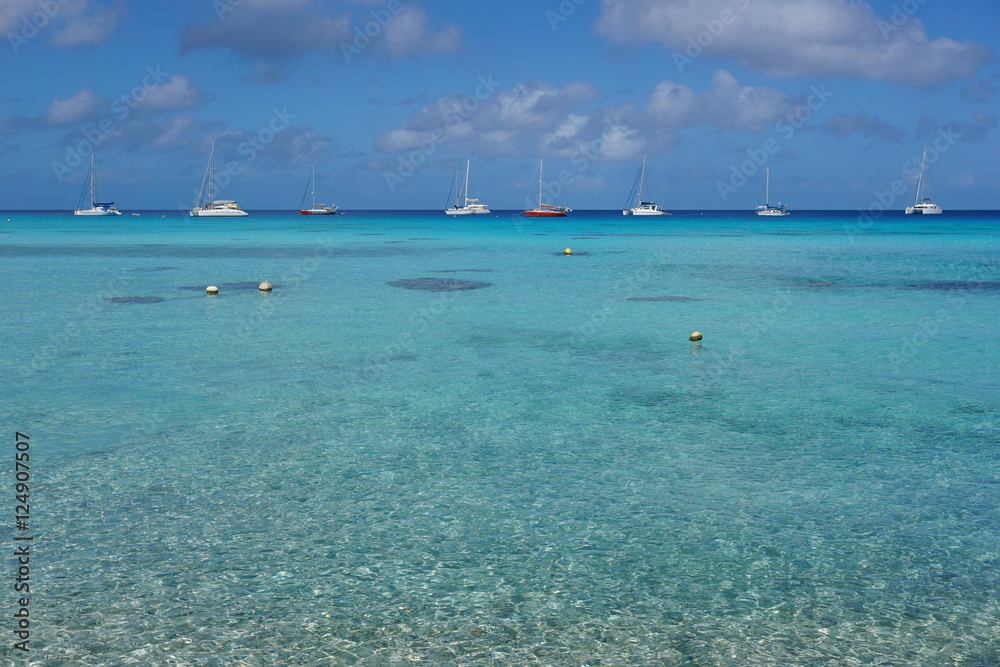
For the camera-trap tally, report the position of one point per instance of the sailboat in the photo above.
(925, 205)
(96, 207)
(766, 208)
(469, 206)
(222, 208)
(317, 209)
(642, 207)
(546, 210)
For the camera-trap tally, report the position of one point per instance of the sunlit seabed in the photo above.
(520, 459)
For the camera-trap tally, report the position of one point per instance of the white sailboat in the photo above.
(317, 209)
(923, 205)
(766, 208)
(222, 208)
(642, 207)
(469, 206)
(96, 207)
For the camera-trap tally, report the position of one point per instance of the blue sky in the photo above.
(388, 98)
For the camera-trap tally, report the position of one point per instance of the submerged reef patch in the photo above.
(438, 284)
(135, 299)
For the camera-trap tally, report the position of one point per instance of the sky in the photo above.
(388, 98)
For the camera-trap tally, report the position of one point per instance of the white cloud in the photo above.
(175, 93)
(728, 105)
(832, 38)
(81, 107)
(272, 34)
(65, 23)
(537, 117)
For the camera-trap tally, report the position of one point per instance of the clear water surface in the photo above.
(539, 469)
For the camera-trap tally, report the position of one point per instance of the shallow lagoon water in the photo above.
(544, 471)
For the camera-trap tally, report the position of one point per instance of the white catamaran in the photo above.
(923, 205)
(469, 206)
(766, 208)
(222, 208)
(96, 207)
(642, 207)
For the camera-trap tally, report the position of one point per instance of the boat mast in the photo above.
(642, 180)
(767, 186)
(920, 178)
(314, 185)
(539, 183)
(211, 176)
(466, 186)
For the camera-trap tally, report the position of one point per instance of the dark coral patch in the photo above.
(952, 285)
(661, 298)
(135, 299)
(438, 284)
(462, 271)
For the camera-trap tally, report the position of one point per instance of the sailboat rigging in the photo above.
(766, 208)
(222, 208)
(923, 205)
(316, 209)
(468, 205)
(642, 207)
(546, 210)
(96, 207)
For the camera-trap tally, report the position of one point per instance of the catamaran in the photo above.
(221, 208)
(96, 207)
(642, 207)
(546, 210)
(766, 208)
(469, 206)
(317, 209)
(923, 205)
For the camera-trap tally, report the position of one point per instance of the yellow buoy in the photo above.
(568, 251)
(264, 286)
(695, 336)
(211, 289)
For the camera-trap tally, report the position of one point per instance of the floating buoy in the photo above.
(695, 336)
(568, 251)
(211, 289)
(264, 286)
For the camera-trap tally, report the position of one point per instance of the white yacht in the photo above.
(923, 205)
(96, 207)
(317, 209)
(469, 206)
(642, 207)
(766, 208)
(214, 208)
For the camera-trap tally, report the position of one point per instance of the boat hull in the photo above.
(643, 212)
(466, 211)
(773, 213)
(545, 214)
(318, 212)
(96, 212)
(218, 213)
(914, 210)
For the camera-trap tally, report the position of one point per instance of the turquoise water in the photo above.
(541, 470)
